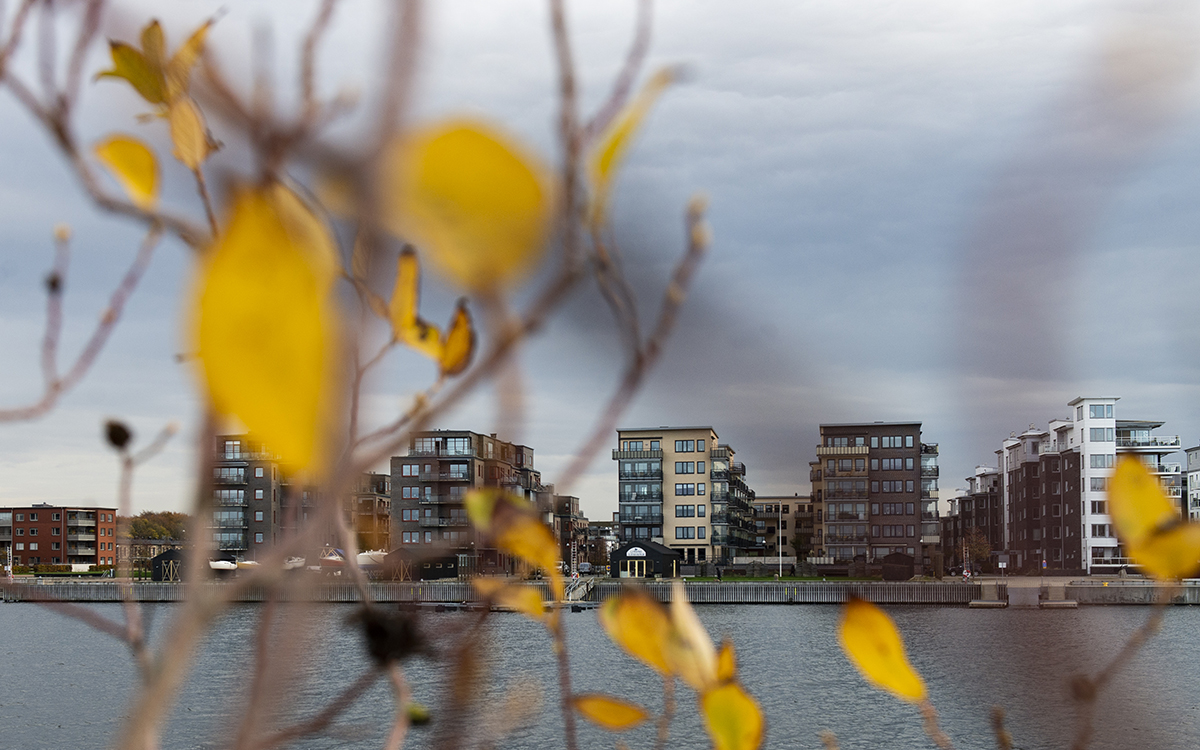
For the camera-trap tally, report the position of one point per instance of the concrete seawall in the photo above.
(1085, 592)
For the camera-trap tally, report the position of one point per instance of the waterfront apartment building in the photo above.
(255, 504)
(681, 487)
(875, 491)
(1191, 505)
(431, 482)
(979, 508)
(778, 521)
(1055, 482)
(44, 534)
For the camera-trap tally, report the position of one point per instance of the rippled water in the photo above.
(64, 685)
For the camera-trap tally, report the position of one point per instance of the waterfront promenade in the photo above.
(934, 593)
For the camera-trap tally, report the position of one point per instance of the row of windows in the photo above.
(892, 509)
(452, 446)
(689, 489)
(894, 530)
(1101, 435)
(896, 441)
(689, 511)
(1097, 411)
(893, 486)
(689, 446)
(772, 509)
(689, 467)
(104, 517)
(1103, 460)
(892, 464)
(690, 532)
(637, 445)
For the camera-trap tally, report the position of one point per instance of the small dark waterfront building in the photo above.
(168, 566)
(644, 559)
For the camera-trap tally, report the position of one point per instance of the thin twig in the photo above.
(668, 713)
(88, 29)
(568, 131)
(206, 199)
(400, 723)
(558, 631)
(308, 59)
(629, 72)
(1003, 738)
(681, 279)
(929, 714)
(55, 387)
(326, 716)
(258, 681)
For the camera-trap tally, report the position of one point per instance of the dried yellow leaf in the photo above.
(690, 653)
(873, 645)
(459, 344)
(609, 712)
(639, 623)
(134, 166)
(514, 527)
(473, 198)
(733, 718)
(1155, 535)
(407, 325)
(726, 662)
(616, 140)
(264, 322)
(188, 133)
(154, 45)
(524, 599)
(178, 72)
(130, 64)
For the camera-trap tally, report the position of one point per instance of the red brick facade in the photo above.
(54, 535)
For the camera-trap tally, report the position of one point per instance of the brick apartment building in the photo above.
(875, 493)
(43, 534)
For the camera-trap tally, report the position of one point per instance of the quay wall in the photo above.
(1085, 592)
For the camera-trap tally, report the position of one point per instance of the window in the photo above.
(1101, 435)
(408, 470)
(700, 488)
(908, 485)
(258, 515)
(1100, 529)
(700, 509)
(258, 472)
(685, 446)
(908, 443)
(699, 467)
(55, 531)
(20, 532)
(700, 531)
(33, 517)
(233, 449)
(20, 516)
(55, 545)
(859, 442)
(33, 546)
(429, 537)
(1098, 483)
(911, 529)
(909, 509)
(1099, 506)
(21, 546)
(908, 463)
(258, 494)
(1098, 411)
(258, 537)
(874, 442)
(874, 487)
(32, 532)
(685, 511)
(55, 516)
(874, 464)
(685, 532)
(1102, 460)
(685, 489)
(655, 445)
(409, 514)
(685, 467)
(845, 464)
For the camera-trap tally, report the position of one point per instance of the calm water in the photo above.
(63, 685)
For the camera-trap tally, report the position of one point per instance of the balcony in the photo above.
(840, 538)
(642, 497)
(229, 480)
(634, 518)
(442, 500)
(237, 524)
(1173, 491)
(929, 449)
(846, 494)
(833, 517)
(929, 471)
(1154, 441)
(720, 452)
(842, 450)
(444, 476)
(445, 453)
(619, 454)
(73, 520)
(82, 551)
(81, 537)
(437, 522)
(1165, 468)
(636, 475)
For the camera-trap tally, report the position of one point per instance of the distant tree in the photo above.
(158, 525)
(979, 549)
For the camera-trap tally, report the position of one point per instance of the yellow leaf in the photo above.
(515, 528)
(264, 322)
(188, 133)
(733, 718)
(131, 65)
(472, 198)
(524, 599)
(609, 712)
(459, 344)
(615, 143)
(638, 623)
(1150, 525)
(726, 662)
(690, 653)
(873, 645)
(407, 325)
(178, 71)
(154, 46)
(134, 166)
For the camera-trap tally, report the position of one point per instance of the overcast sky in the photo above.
(965, 214)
